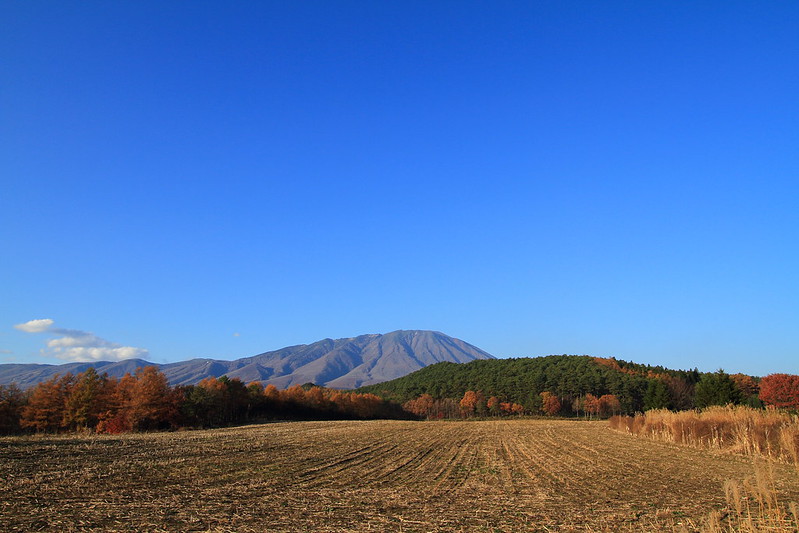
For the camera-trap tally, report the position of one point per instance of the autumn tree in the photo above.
(550, 404)
(118, 396)
(746, 384)
(609, 405)
(591, 405)
(366, 405)
(271, 394)
(421, 406)
(749, 389)
(511, 408)
(153, 405)
(315, 399)
(293, 395)
(780, 390)
(492, 406)
(86, 400)
(45, 409)
(470, 402)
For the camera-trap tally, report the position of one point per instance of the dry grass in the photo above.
(754, 506)
(496, 475)
(754, 432)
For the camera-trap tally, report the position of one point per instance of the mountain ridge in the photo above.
(343, 363)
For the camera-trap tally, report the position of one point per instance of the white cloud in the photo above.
(88, 341)
(80, 346)
(5, 352)
(35, 326)
(105, 353)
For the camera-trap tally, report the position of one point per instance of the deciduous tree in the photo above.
(152, 404)
(609, 405)
(468, 403)
(45, 409)
(780, 390)
(86, 401)
(550, 404)
(591, 405)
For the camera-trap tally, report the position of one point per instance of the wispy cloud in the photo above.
(76, 345)
(5, 352)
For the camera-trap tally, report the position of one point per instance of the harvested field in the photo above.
(501, 475)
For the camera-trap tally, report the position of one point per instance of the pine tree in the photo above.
(716, 388)
(657, 395)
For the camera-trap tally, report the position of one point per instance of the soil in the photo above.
(494, 475)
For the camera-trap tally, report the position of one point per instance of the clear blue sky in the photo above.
(217, 179)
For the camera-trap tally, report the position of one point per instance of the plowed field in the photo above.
(506, 475)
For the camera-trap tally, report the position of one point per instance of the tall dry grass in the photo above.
(755, 432)
(753, 506)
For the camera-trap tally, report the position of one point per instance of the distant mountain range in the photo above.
(340, 363)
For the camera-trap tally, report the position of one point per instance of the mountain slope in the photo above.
(338, 363)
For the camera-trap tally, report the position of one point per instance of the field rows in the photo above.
(512, 475)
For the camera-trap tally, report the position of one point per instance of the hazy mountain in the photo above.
(28, 375)
(339, 363)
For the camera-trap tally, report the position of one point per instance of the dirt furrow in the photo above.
(496, 475)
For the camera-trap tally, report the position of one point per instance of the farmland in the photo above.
(496, 475)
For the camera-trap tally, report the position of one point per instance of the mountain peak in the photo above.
(339, 363)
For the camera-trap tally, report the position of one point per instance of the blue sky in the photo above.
(199, 179)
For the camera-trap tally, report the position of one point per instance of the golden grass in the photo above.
(753, 506)
(743, 430)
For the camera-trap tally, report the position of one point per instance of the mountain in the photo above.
(28, 375)
(337, 363)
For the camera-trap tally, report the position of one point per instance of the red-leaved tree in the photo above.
(550, 404)
(780, 390)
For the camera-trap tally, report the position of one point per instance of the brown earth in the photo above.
(503, 475)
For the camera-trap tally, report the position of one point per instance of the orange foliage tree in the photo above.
(780, 390)
(470, 402)
(152, 405)
(591, 404)
(550, 404)
(86, 401)
(45, 409)
(510, 408)
(493, 406)
(609, 405)
(421, 406)
(746, 384)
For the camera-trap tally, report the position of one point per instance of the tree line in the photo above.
(579, 386)
(145, 401)
(555, 386)
(475, 404)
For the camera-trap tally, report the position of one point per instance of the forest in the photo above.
(568, 385)
(562, 385)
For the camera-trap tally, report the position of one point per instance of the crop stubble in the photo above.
(496, 475)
